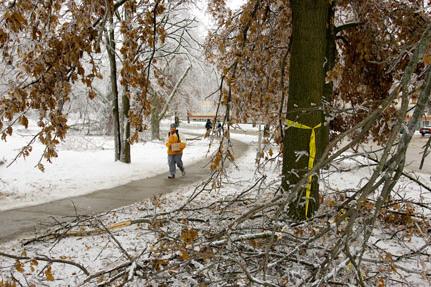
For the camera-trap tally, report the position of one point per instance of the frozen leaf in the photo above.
(215, 164)
(255, 243)
(159, 263)
(184, 255)
(8, 284)
(48, 273)
(33, 265)
(230, 155)
(19, 267)
(381, 282)
(157, 223)
(41, 167)
(331, 202)
(206, 253)
(91, 94)
(3, 36)
(24, 121)
(189, 235)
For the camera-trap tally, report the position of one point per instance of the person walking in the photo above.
(175, 152)
(208, 126)
(219, 129)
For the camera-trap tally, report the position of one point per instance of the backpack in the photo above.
(178, 135)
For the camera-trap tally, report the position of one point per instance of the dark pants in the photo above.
(173, 161)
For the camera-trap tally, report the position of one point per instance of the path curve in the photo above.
(23, 221)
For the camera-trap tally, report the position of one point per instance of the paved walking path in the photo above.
(18, 222)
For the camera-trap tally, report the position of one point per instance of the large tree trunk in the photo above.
(331, 54)
(110, 45)
(306, 84)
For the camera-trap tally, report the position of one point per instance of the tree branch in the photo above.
(46, 259)
(346, 26)
(174, 91)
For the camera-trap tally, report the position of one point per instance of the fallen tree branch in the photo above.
(403, 173)
(46, 259)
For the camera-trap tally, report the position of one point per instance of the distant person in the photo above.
(208, 127)
(219, 129)
(266, 131)
(175, 152)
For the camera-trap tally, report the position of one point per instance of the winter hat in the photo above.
(173, 126)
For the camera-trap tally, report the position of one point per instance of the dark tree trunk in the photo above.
(331, 54)
(306, 85)
(125, 121)
(155, 117)
(125, 145)
(110, 45)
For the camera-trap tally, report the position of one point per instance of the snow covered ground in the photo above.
(85, 164)
(100, 255)
(172, 244)
(166, 240)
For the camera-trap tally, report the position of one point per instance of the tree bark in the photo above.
(125, 136)
(155, 117)
(125, 156)
(331, 54)
(306, 86)
(110, 45)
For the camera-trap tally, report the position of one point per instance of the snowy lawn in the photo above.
(85, 164)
